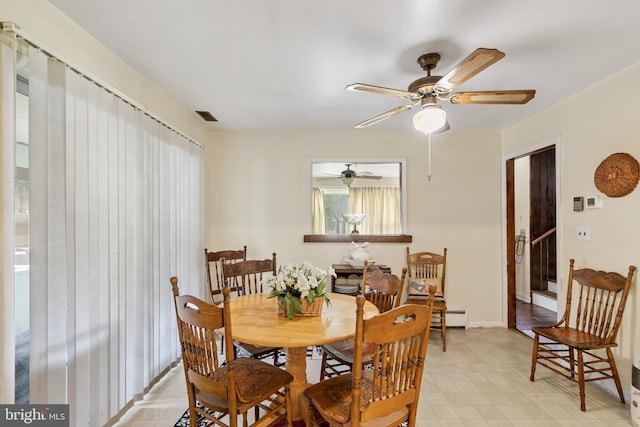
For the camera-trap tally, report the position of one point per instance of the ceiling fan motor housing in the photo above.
(424, 85)
(349, 173)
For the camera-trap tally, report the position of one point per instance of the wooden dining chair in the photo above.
(579, 345)
(215, 285)
(248, 276)
(425, 269)
(213, 263)
(382, 289)
(219, 394)
(387, 392)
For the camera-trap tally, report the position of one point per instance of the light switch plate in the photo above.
(583, 233)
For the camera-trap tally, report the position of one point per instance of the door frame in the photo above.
(508, 225)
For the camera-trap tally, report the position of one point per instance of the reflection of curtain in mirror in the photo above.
(317, 216)
(382, 206)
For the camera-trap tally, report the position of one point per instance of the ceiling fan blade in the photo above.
(493, 97)
(385, 115)
(369, 177)
(329, 176)
(361, 87)
(477, 61)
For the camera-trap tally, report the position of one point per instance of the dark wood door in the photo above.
(543, 218)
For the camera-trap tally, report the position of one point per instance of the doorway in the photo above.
(531, 211)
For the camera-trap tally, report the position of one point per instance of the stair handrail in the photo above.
(544, 236)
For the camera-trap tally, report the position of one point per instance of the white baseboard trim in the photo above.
(486, 325)
(457, 318)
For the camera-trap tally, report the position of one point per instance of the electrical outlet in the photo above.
(583, 233)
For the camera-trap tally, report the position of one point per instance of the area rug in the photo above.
(312, 353)
(184, 421)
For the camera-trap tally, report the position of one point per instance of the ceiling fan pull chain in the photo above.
(429, 157)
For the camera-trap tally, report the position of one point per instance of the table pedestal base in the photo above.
(297, 366)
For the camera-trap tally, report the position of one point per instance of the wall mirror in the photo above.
(356, 199)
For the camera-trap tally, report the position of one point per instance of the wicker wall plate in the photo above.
(617, 175)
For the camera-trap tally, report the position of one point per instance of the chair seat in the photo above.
(571, 337)
(439, 314)
(343, 350)
(332, 399)
(256, 379)
(253, 350)
(439, 304)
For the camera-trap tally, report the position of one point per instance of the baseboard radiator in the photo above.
(457, 318)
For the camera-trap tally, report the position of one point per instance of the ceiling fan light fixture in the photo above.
(347, 180)
(430, 119)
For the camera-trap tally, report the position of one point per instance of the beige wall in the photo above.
(258, 193)
(592, 125)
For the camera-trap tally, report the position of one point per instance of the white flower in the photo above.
(298, 279)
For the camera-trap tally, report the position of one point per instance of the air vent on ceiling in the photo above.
(207, 116)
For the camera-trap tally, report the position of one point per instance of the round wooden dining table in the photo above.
(255, 320)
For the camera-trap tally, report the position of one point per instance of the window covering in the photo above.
(7, 166)
(116, 209)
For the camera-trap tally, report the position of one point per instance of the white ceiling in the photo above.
(284, 64)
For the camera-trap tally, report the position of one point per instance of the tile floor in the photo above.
(482, 380)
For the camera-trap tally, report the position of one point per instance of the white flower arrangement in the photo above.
(295, 281)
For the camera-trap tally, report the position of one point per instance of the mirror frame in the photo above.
(385, 238)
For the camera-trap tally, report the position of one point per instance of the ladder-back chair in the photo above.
(579, 345)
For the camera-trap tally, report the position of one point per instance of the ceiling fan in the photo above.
(426, 91)
(348, 176)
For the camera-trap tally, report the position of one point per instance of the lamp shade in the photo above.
(347, 180)
(430, 119)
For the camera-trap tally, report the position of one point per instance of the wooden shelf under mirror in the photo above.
(372, 238)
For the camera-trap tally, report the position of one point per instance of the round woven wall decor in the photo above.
(617, 175)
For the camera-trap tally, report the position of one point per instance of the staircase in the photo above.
(546, 298)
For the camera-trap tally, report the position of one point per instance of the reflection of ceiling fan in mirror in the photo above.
(427, 90)
(348, 176)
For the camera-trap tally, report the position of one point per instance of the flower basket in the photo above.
(307, 309)
(300, 289)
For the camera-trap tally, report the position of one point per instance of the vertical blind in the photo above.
(116, 209)
(7, 155)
